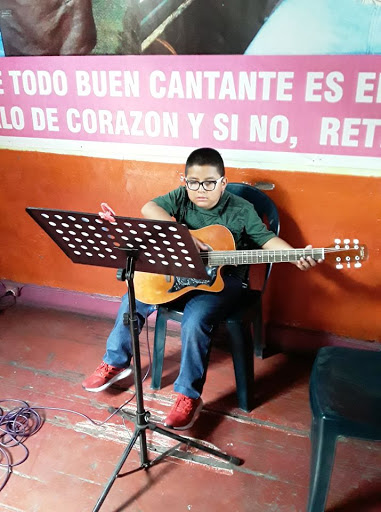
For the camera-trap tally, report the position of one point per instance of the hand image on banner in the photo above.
(187, 27)
(47, 27)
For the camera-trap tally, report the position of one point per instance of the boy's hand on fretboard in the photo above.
(307, 263)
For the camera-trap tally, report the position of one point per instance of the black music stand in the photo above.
(129, 244)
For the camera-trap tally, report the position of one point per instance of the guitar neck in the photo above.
(249, 257)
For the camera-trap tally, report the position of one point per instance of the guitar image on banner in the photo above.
(159, 289)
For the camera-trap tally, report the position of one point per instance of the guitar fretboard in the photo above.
(249, 257)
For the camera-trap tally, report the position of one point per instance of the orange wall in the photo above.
(313, 207)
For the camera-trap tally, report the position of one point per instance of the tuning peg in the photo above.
(358, 265)
(339, 266)
(346, 240)
(355, 241)
(337, 241)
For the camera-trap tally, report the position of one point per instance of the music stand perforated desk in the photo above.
(129, 244)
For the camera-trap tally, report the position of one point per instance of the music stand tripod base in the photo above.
(159, 247)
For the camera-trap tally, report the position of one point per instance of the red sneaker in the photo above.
(184, 412)
(104, 376)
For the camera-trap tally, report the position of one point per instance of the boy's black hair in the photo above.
(206, 156)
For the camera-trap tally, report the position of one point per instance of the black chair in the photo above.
(345, 397)
(244, 324)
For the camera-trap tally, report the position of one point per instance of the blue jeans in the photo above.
(322, 27)
(202, 311)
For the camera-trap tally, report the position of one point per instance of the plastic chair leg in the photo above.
(158, 350)
(260, 348)
(323, 445)
(243, 361)
(259, 345)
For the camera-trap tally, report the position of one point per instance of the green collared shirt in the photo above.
(232, 211)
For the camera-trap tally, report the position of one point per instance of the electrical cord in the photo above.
(15, 427)
(23, 421)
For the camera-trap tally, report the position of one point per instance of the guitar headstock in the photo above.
(345, 252)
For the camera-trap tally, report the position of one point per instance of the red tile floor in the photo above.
(46, 353)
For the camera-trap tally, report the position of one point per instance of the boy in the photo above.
(202, 202)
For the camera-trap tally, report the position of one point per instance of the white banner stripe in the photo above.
(243, 159)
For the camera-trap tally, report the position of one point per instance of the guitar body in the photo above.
(159, 288)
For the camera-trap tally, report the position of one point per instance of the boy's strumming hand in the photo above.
(200, 245)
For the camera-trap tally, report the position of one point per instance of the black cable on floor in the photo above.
(22, 421)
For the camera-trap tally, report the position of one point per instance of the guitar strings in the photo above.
(308, 252)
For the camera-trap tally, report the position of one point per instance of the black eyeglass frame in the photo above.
(201, 183)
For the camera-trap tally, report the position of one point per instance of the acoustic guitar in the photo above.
(159, 289)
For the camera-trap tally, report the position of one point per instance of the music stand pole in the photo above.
(142, 416)
(130, 319)
(86, 239)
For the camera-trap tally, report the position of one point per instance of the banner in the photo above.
(294, 104)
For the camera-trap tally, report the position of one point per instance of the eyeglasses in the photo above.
(208, 185)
